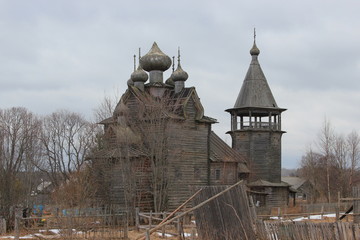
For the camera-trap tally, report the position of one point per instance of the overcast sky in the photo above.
(67, 54)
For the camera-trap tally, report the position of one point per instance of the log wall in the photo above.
(262, 148)
(188, 156)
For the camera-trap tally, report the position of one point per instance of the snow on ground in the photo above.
(312, 217)
(169, 235)
(13, 237)
(56, 233)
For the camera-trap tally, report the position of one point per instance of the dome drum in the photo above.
(179, 85)
(156, 76)
(139, 85)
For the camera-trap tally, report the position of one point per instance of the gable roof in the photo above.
(295, 182)
(221, 152)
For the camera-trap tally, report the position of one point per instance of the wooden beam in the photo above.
(349, 199)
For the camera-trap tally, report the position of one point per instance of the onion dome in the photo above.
(155, 59)
(179, 74)
(130, 82)
(139, 75)
(254, 51)
(170, 81)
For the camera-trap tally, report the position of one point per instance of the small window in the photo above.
(217, 174)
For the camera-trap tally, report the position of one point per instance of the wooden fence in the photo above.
(183, 228)
(356, 202)
(271, 230)
(110, 226)
(326, 207)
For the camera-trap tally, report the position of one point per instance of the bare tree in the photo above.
(153, 129)
(106, 107)
(138, 138)
(66, 139)
(325, 143)
(310, 168)
(77, 192)
(19, 144)
(340, 152)
(148, 125)
(353, 141)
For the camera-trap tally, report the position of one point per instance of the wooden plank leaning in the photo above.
(192, 209)
(171, 214)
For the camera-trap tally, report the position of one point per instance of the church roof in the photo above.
(255, 91)
(221, 152)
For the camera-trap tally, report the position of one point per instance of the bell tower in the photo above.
(256, 124)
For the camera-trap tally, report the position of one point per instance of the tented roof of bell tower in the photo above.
(255, 91)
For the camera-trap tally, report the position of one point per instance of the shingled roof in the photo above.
(295, 182)
(255, 91)
(221, 152)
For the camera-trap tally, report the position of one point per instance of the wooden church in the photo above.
(158, 145)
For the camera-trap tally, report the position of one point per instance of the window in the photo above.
(217, 174)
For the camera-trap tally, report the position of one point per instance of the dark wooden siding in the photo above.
(272, 197)
(263, 152)
(223, 173)
(188, 158)
(127, 186)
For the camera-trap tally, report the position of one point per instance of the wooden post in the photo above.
(126, 227)
(17, 230)
(163, 228)
(279, 213)
(337, 214)
(356, 204)
(250, 123)
(17, 223)
(137, 219)
(179, 227)
(252, 207)
(193, 234)
(322, 211)
(150, 220)
(147, 235)
(294, 194)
